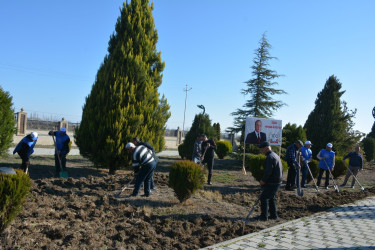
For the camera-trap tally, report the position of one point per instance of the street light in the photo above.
(186, 89)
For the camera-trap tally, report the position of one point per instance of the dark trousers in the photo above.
(321, 171)
(210, 167)
(144, 177)
(304, 172)
(25, 162)
(57, 163)
(268, 201)
(354, 171)
(291, 179)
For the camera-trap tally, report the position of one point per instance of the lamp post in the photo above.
(186, 89)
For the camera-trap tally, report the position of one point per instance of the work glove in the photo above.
(50, 132)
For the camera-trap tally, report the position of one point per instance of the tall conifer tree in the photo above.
(124, 100)
(7, 121)
(260, 88)
(331, 121)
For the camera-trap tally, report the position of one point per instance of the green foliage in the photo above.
(314, 168)
(223, 148)
(292, 133)
(372, 133)
(260, 87)
(369, 148)
(185, 177)
(331, 121)
(13, 191)
(256, 164)
(218, 133)
(182, 151)
(201, 125)
(124, 101)
(340, 169)
(7, 121)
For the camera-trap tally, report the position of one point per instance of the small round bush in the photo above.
(13, 191)
(185, 177)
(182, 151)
(223, 149)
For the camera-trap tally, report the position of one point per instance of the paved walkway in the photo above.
(346, 227)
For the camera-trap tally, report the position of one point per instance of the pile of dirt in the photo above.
(82, 211)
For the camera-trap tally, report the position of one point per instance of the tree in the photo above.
(124, 100)
(201, 125)
(7, 121)
(292, 133)
(331, 120)
(217, 129)
(369, 147)
(372, 133)
(260, 88)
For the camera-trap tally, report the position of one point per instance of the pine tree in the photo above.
(218, 132)
(372, 133)
(331, 121)
(260, 88)
(124, 100)
(7, 121)
(292, 133)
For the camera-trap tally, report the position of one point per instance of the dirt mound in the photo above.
(82, 212)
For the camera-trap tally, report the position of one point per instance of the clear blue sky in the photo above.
(50, 52)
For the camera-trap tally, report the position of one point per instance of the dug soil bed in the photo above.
(84, 212)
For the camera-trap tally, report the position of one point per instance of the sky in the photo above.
(50, 52)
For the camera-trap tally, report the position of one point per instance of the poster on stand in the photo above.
(258, 130)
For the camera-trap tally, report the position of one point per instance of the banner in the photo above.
(258, 130)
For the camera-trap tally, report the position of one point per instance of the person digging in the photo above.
(61, 150)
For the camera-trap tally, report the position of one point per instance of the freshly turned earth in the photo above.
(82, 212)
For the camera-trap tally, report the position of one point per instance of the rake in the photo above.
(312, 177)
(126, 186)
(355, 178)
(247, 220)
(330, 174)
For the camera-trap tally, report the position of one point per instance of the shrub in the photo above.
(182, 151)
(7, 122)
(256, 164)
(13, 191)
(223, 149)
(369, 148)
(340, 169)
(314, 168)
(185, 177)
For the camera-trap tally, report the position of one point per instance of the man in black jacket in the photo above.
(208, 154)
(270, 182)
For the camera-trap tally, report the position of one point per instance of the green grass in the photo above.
(223, 177)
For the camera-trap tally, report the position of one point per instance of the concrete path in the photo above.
(346, 227)
(75, 151)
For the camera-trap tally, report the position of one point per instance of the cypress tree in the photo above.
(260, 88)
(292, 133)
(124, 101)
(331, 121)
(7, 121)
(218, 132)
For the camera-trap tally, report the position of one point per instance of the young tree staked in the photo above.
(331, 120)
(260, 89)
(124, 101)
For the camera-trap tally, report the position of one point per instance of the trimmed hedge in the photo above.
(185, 177)
(256, 164)
(223, 149)
(13, 191)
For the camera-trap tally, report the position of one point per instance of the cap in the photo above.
(136, 139)
(308, 143)
(299, 142)
(129, 145)
(264, 144)
(329, 145)
(34, 136)
(63, 129)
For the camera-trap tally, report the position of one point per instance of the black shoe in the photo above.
(303, 186)
(289, 189)
(273, 218)
(209, 183)
(326, 187)
(261, 218)
(145, 195)
(342, 185)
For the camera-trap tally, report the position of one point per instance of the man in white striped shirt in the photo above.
(143, 160)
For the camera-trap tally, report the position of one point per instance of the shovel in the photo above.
(62, 174)
(312, 177)
(299, 190)
(247, 220)
(355, 178)
(330, 174)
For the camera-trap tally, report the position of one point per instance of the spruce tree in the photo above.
(7, 121)
(331, 120)
(124, 101)
(260, 88)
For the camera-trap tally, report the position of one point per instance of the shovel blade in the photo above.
(63, 174)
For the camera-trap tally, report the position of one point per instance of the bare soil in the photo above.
(82, 212)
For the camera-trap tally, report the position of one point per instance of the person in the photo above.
(197, 150)
(256, 137)
(326, 163)
(25, 148)
(208, 154)
(291, 159)
(355, 165)
(306, 154)
(136, 141)
(143, 160)
(270, 182)
(61, 149)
